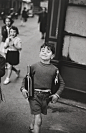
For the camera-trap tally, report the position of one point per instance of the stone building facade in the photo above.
(66, 29)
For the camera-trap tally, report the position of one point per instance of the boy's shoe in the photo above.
(31, 130)
(7, 81)
(18, 73)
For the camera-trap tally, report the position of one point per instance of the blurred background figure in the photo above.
(24, 16)
(12, 13)
(43, 22)
(2, 15)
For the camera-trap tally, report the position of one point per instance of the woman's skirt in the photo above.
(12, 57)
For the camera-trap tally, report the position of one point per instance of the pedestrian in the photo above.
(2, 73)
(5, 33)
(13, 43)
(43, 22)
(44, 74)
(24, 16)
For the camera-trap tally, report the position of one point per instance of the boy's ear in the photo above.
(53, 55)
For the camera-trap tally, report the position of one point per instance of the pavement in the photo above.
(66, 116)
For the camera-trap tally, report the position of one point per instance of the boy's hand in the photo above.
(54, 98)
(25, 93)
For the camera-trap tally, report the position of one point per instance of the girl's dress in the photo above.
(14, 46)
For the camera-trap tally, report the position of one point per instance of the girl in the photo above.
(5, 33)
(13, 44)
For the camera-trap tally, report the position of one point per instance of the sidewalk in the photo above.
(66, 116)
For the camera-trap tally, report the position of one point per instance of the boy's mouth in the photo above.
(44, 55)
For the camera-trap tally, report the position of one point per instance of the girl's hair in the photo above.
(15, 28)
(49, 45)
(8, 17)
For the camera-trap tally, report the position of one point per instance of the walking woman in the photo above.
(24, 17)
(43, 22)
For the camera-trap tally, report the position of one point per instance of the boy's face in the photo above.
(46, 54)
(12, 32)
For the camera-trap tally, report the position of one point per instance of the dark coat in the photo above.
(4, 33)
(2, 72)
(2, 66)
(24, 15)
(43, 21)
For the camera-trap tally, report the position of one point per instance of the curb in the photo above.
(72, 103)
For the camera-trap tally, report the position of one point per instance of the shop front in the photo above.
(66, 29)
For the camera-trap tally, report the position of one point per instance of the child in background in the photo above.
(44, 74)
(5, 33)
(13, 44)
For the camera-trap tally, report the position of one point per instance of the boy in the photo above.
(44, 73)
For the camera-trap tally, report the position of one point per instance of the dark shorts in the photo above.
(12, 57)
(39, 102)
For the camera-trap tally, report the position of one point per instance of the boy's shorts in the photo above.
(39, 102)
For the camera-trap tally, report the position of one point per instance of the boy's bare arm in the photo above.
(23, 90)
(61, 86)
(56, 96)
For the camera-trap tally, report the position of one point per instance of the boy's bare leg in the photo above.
(32, 122)
(37, 123)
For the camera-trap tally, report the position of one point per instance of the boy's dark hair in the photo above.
(15, 28)
(49, 45)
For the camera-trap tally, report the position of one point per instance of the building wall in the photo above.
(73, 68)
(75, 25)
(66, 29)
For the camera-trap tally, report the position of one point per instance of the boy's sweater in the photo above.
(43, 75)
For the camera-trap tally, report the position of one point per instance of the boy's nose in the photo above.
(45, 51)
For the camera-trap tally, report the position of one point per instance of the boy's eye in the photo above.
(48, 51)
(42, 49)
(48, 48)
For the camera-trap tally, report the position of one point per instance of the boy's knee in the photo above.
(38, 121)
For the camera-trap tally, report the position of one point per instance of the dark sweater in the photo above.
(44, 75)
(44, 78)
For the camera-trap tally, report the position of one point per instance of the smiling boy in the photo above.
(44, 74)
